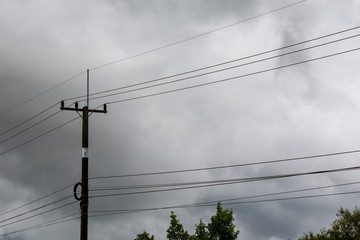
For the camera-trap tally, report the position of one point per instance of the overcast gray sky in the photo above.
(301, 110)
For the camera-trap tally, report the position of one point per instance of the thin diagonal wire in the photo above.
(231, 181)
(40, 94)
(224, 201)
(214, 204)
(24, 130)
(233, 78)
(230, 166)
(44, 224)
(38, 214)
(223, 63)
(221, 70)
(34, 201)
(197, 36)
(37, 137)
(27, 120)
(35, 209)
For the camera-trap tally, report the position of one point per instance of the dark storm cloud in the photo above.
(294, 112)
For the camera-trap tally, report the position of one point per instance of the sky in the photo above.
(256, 109)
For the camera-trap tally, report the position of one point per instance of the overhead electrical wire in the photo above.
(192, 205)
(44, 224)
(220, 70)
(213, 183)
(231, 61)
(27, 120)
(2, 221)
(243, 180)
(132, 187)
(35, 124)
(199, 85)
(275, 10)
(36, 200)
(40, 94)
(197, 36)
(28, 128)
(178, 80)
(223, 201)
(149, 51)
(129, 211)
(35, 209)
(37, 137)
(338, 32)
(38, 214)
(202, 184)
(229, 166)
(233, 78)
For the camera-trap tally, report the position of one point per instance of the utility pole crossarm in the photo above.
(77, 109)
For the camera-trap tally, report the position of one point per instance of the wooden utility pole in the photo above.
(84, 198)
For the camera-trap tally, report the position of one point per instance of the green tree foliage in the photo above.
(176, 230)
(221, 226)
(144, 236)
(201, 232)
(345, 227)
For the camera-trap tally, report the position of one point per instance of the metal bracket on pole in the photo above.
(75, 191)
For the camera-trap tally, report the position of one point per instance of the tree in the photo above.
(221, 226)
(176, 230)
(201, 232)
(345, 227)
(144, 236)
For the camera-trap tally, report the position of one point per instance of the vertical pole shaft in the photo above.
(84, 204)
(88, 89)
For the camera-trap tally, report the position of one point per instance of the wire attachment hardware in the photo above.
(75, 191)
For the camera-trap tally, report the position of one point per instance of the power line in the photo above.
(27, 120)
(182, 79)
(38, 208)
(146, 52)
(230, 181)
(202, 204)
(223, 69)
(198, 85)
(227, 62)
(34, 201)
(196, 36)
(130, 211)
(35, 209)
(38, 214)
(193, 76)
(44, 224)
(243, 180)
(35, 124)
(37, 137)
(112, 188)
(24, 130)
(233, 78)
(278, 193)
(230, 166)
(40, 94)
(127, 211)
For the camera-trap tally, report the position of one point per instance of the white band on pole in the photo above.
(85, 152)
